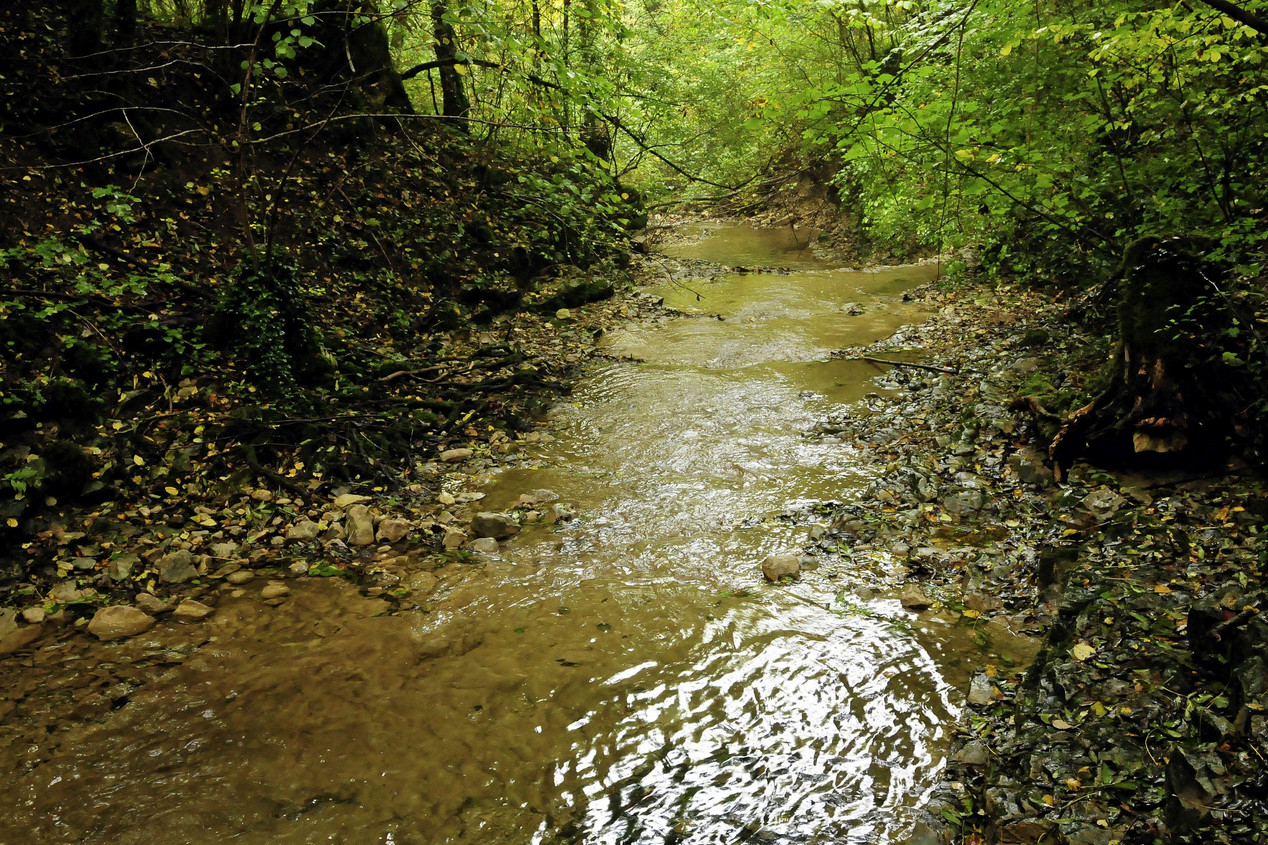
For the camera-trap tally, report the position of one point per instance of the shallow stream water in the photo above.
(627, 677)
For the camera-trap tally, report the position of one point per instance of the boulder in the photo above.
(775, 567)
(119, 621)
(499, 526)
(360, 526)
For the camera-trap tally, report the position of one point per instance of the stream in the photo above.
(626, 677)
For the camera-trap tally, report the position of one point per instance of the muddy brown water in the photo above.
(625, 678)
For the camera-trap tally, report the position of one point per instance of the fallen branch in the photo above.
(928, 367)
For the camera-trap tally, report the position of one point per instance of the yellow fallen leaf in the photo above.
(1082, 651)
(11, 522)
(970, 614)
(171, 491)
(138, 460)
(1062, 725)
(1162, 589)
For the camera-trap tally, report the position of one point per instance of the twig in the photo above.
(929, 367)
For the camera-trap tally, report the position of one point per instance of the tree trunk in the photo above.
(1173, 397)
(453, 94)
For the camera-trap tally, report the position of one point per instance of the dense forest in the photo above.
(298, 250)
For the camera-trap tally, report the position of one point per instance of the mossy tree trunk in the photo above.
(1172, 398)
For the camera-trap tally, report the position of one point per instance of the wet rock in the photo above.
(304, 531)
(775, 567)
(973, 754)
(981, 689)
(177, 567)
(240, 577)
(298, 568)
(499, 526)
(20, 638)
(913, 597)
(453, 456)
(192, 611)
(964, 502)
(453, 539)
(559, 514)
(118, 622)
(120, 568)
(1028, 833)
(262, 495)
(347, 500)
(485, 545)
(360, 526)
(8, 621)
(34, 615)
(852, 309)
(275, 590)
(537, 497)
(152, 604)
(393, 530)
(421, 583)
(1103, 502)
(335, 533)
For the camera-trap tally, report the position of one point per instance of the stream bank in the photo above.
(1142, 718)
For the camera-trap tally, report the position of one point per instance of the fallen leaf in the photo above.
(1082, 651)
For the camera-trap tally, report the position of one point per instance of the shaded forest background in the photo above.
(228, 225)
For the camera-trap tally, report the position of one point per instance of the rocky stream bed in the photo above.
(1141, 720)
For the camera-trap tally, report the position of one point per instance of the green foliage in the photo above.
(265, 318)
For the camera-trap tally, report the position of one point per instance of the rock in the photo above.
(66, 592)
(119, 621)
(335, 532)
(421, 583)
(1103, 502)
(298, 568)
(559, 513)
(275, 590)
(973, 754)
(852, 309)
(120, 568)
(1027, 833)
(34, 615)
(981, 690)
(240, 577)
(152, 604)
(563, 314)
(393, 530)
(20, 638)
(304, 531)
(499, 526)
(1029, 467)
(453, 456)
(453, 539)
(83, 564)
(537, 497)
(964, 501)
(445, 498)
(360, 526)
(177, 567)
(8, 621)
(778, 566)
(485, 545)
(262, 495)
(192, 611)
(347, 500)
(913, 597)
